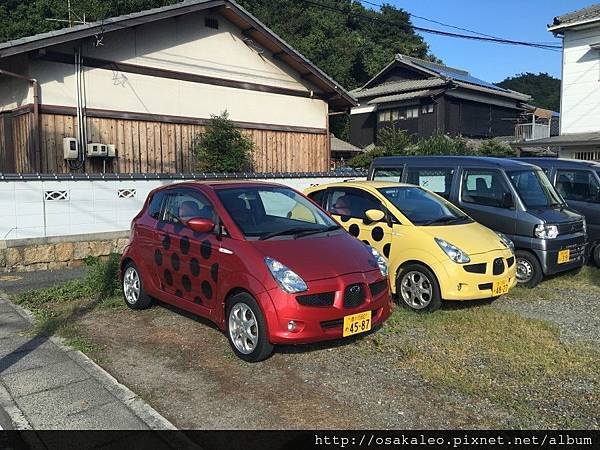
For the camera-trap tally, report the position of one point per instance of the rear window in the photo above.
(394, 175)
(436, 180)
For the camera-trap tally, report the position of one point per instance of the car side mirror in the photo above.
(507, 200)
(201, 225)
(374, 215)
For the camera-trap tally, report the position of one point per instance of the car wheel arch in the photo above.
(407, 263)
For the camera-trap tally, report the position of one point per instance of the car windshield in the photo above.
(534, 188)
(269, 211)
(424, 208)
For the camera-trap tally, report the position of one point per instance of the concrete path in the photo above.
(46, 385)
(16, 282)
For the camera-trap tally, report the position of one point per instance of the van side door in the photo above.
(482, 195)
(438, 180)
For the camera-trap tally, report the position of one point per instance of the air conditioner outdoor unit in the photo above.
(70, 148)
(95, 149)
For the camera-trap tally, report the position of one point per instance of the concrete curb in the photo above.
(136, 404)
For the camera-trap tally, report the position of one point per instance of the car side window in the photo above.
(436, 180)
(483, 187)
(394, 175)
(317, 196)
(351, 202)
(578, 185)
(155, 206)
(181, 206)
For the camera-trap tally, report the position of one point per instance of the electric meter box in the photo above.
(70, 148)
(95, 149)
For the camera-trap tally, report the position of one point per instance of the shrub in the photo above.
(493, 147)
(390, 142)
(222, 147)
(441, 144)
(103, 276)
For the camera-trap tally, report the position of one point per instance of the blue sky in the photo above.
(523, 20)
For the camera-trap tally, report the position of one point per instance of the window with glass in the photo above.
(351, 202)
(412, 113)
(578, 185)
(427, 109)
(181, 206)
(394, 175)
(436, 180)
(534, 188)
(483, 187)
(423, 208)
(267, 212)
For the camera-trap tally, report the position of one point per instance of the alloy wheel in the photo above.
(243, 328)
(416, 289)
(131, 285)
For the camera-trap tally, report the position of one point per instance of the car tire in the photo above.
(529, 269)
(133, 288)
(596, 255)
(247, 329)
(417, 288)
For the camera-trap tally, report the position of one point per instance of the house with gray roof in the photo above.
(580, 88)
(423, 98)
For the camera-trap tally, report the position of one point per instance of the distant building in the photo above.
(424, 98)
(580, 89)
(342, 151)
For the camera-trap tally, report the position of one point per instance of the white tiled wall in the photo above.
(91, 207)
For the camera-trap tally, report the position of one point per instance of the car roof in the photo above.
(221, 184)
(363, 184)
(563, 162)
(466, 161)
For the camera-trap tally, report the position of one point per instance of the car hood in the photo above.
(322, 256)
(555, 215)
(472, 238)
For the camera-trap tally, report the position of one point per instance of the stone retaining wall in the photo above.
(26, 255)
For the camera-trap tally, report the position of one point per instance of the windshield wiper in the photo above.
(443, 219)
(294, 230)
(317, 230)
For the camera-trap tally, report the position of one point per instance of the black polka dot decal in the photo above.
(366, 221)
(178, 293)
(205, 249)
(345, 218)
(158, 259)
(186, 283)
(214, 272)
(207, 289)
(377, 233)
(168, 277)
(184, 244)
(354, 230)
(366, 242)
(195, 267)
(166, 242)
(175, 263)
(386, 250)
(197, 300)
(178, 227)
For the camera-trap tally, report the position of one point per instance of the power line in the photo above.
(438, 32)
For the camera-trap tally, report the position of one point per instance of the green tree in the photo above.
(222, 147)
(390, 142)
(544, 88)
(493, 147)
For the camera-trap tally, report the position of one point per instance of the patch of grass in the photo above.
(516, 363)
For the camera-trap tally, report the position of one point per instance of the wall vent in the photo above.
(211, 22)
(51, 196)
(127, 193)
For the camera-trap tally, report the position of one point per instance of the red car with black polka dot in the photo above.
(260, 260)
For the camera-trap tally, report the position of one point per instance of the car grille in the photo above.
(378, 287)
(576, 252)
(338, 323)
(571, 227)
(498, 266)
(354, 295)
(510, 261)
(486, 287)
(476, 268)
(322, 299)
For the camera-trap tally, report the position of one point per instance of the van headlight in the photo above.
(544, 231)
(289, 280)
(506, 241)
(381, 262)
(453, 252)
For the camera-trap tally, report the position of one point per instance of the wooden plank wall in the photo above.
(163, 147)
(3, 155)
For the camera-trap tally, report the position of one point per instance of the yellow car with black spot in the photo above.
(434, 250)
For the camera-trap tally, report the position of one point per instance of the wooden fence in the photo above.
(155, 147)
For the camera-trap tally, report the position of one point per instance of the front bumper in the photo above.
(547, 251)
(457, 283)
(320, 323)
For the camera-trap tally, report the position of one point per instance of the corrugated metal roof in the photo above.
(338, 145)
(404, 96)
(592, 138)
(589, 13)
(394, 87)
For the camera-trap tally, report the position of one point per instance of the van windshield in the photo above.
(424, 208)
(534, 188)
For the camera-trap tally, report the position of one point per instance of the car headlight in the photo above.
(506, 241)
(544, 231)
(381, 262)
(453, 252)
(584, 225)
(289, 280)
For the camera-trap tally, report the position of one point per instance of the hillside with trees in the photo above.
(544, 88)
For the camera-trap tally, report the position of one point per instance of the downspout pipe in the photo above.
(36, 114)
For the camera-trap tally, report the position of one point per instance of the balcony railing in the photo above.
(530, 131)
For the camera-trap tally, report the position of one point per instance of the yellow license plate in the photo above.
(357, 323)
(564, 256)
(500, 287)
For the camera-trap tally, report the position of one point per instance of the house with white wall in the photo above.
(580, 90)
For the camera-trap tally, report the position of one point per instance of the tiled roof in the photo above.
(338, 145)
(404, 96)
(581, 15)
(394, 87)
